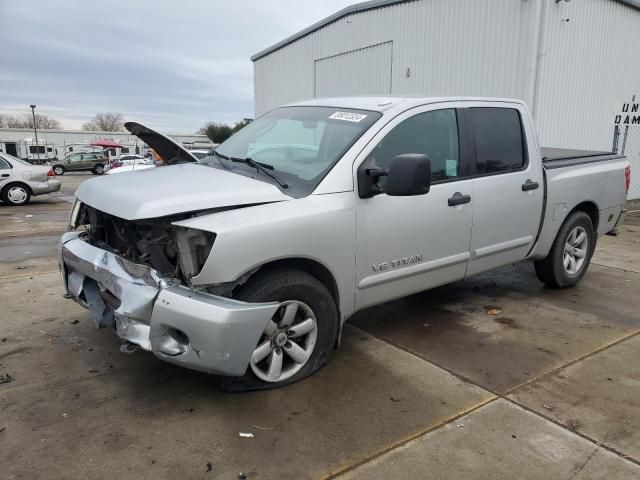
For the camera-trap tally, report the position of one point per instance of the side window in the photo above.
(4, 165)
(498, 138)
(434, 134)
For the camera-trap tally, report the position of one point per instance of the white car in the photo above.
(199, 154)
(20, 180)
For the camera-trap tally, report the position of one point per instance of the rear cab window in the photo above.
(500, 145)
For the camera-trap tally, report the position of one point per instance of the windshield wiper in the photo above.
(259, 166)
(219, 156)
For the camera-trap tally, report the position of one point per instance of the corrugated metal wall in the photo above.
(591, 62)
(589, 59)
(440, 47)
(366, 71)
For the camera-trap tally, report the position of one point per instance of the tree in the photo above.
(243, 123)
(43, 122)
(105, 122)
(218, 132)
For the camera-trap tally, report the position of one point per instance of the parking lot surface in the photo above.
(496, 377)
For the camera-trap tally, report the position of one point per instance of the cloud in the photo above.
(171, 65)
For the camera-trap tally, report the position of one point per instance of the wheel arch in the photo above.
(311, 266)
(591, 209)
(16, 182)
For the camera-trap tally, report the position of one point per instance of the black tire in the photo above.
(58, 170)
(551, 269)
(16, 194)
(282, 285)
(98, 169)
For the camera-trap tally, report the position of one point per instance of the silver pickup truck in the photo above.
(247, 262)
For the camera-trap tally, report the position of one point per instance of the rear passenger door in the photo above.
(508, 185)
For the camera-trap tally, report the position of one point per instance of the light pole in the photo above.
(35, 130)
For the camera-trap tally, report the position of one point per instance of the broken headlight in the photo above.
(194, 247)
(73, 218)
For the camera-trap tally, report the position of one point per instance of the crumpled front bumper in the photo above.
(189, 328)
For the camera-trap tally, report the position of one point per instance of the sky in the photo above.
(171, 65)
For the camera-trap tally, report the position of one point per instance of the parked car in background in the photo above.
(20, 180)
(199, 154)
(248, 263)
(133, 166)
(127, 159)
(128, 162)
(94, 162)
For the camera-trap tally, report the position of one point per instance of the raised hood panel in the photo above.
(170, 151)
(163, 191)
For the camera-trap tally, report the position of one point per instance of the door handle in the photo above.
(459, 199)
(529, 185)
(4, 175)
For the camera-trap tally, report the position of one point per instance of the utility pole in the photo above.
(35, 130)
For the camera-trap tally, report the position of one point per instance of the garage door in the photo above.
(366, 71)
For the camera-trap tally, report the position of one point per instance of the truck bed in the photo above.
(566, 157)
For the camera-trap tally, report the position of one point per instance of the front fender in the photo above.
(317, 227)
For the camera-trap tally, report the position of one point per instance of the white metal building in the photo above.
(58, 143)
(571, 61)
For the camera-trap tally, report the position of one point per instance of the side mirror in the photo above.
(410, 174)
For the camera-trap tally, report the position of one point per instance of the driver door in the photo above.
(413, 243)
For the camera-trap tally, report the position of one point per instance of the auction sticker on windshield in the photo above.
(348, 116)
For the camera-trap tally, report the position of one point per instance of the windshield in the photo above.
(301, 144)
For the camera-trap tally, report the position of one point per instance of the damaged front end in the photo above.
(171, 251)
(135, 277)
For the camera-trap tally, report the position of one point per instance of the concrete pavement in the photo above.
(431, 386)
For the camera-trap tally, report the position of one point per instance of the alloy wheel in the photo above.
(575, 250)
(287, 342)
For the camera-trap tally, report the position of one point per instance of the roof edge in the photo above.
(358, 8)
(350, 10)
(631, 3)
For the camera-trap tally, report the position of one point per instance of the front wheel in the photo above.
(299, 338)
(570, 253)
(98, 169)
(58, 170)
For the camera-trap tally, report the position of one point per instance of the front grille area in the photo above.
(151, 242)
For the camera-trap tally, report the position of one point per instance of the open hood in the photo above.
(169, 150)
(183, 188)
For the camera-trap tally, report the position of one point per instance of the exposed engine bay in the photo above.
(172, 251)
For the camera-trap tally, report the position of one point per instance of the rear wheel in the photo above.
(58, 169)
(16, 194)
(570, 253)
(98, 169)
(299, 338)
